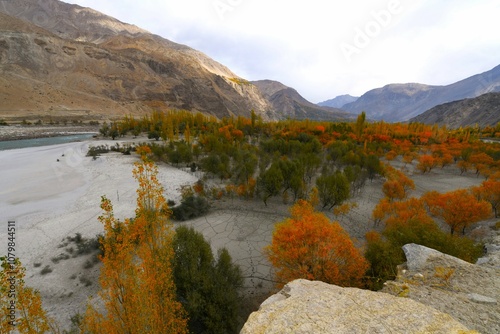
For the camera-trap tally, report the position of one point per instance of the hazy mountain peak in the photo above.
(339, 101)
(400, 102)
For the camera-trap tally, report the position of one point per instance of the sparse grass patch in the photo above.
(46, 270)
(85, 281)
(60, 257)
(497, 226)
(88, 264)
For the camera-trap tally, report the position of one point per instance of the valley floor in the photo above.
(51, 200)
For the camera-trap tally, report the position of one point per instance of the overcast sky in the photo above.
(328, 48)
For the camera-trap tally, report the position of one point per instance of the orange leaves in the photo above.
(143, 151)
(426, 163)
(399, 213)
(489, 191)
(459, 209)
(397, 184)
(308, 245)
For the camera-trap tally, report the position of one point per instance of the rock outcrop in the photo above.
(304, 306)
(468, 292)
(433, 293)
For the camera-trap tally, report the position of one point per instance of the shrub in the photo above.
(191, 207)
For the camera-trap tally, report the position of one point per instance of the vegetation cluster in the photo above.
(155, 278)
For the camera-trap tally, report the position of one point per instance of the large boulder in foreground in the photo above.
(304, 306)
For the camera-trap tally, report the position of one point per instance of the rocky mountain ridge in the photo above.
(339, 101)
(483, 110)
(401, 102)
(58, 59)
(290, 104)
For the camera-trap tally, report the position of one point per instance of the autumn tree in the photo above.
(481, 162)
(308, 245)
(398, 213)
(21, 306)
(426, 163)
(459, 209)
(138, 291)
(489, 191)
(397, 184)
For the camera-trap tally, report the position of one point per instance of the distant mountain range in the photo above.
(290, 104)
(401, 102)
(63, 60)
(482, 110)
(339, 101)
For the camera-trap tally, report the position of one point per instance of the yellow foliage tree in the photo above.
(21, 306)
(136, 278)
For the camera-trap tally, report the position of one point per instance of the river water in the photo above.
(22, 143)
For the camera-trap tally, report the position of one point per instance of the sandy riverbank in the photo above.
(50, 200)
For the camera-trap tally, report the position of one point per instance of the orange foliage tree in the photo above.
(399, 213)
(21, 306)
(459, 209)
(138, 291)
(308, 245)
(426, 163)
(481, 162)
(397, 184)
(489, 191)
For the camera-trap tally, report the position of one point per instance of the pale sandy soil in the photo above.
(52, 200)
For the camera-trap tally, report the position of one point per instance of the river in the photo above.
(23, 143)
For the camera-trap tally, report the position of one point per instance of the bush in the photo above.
(191, 207)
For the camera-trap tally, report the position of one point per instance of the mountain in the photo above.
(339, 101)
(400, 102)
(290, 104)
(63, 60)
(483, 110)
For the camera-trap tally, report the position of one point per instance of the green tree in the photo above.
(207, 288)
(245, 165)
(270, 182)
(333, 189)
(373, 166)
